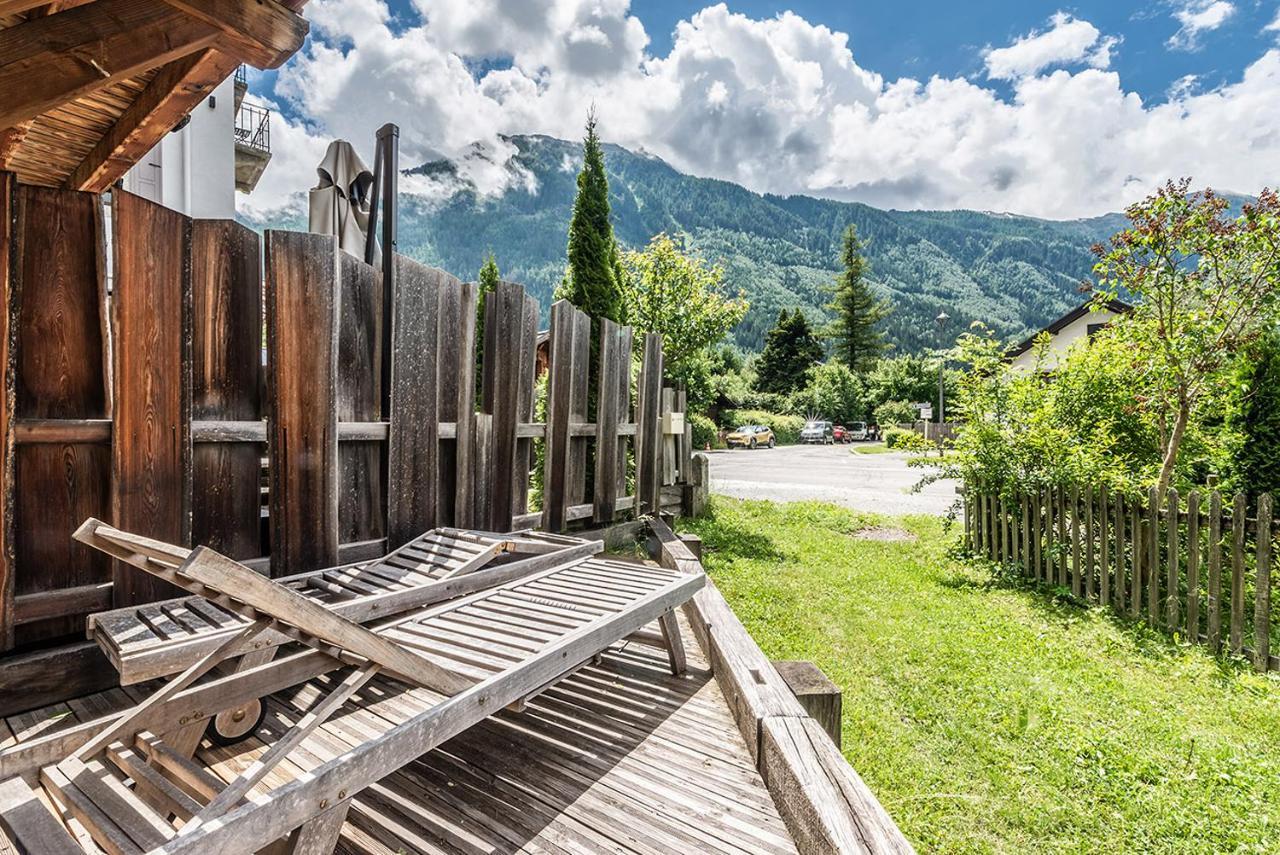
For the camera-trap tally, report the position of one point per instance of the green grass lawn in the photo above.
(871, 448)
(990, 717)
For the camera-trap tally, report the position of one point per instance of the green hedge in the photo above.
(785, 428)
(704, 431)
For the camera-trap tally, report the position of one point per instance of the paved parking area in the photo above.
(835, 473)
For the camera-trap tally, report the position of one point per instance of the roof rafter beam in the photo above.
(173, 93)
(48, 61)
(263, 32)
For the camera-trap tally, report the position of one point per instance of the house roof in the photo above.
(1119, 307)
(87, 87)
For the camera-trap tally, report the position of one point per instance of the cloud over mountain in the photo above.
(777, 104)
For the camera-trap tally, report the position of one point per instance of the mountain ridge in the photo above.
(1014, 273)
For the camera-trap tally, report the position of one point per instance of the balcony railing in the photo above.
(242, 74)
(253, 127)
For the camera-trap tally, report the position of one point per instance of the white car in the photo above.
(856, 432)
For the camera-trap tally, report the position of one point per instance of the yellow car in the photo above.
(750, 436)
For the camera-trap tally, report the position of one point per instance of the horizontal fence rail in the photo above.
(1198, 565)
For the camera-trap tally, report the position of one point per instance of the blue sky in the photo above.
(1037, 108)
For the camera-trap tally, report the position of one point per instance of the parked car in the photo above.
(817, 433)
(840, 433)
(857, 432)
(750, 436)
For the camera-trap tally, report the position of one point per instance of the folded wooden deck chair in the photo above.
(122, 789)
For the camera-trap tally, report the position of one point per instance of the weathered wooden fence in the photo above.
(148, 399)
(1198, 565)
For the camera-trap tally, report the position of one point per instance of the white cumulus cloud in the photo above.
(1067, 41)
(777, 104)
(1196, 17)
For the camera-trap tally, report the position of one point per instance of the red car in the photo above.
(840, 434)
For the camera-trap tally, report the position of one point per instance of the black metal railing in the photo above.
(242, 74)
(253, 127)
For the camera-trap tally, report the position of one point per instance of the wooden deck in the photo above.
(620, 757)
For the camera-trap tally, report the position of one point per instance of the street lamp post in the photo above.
(941, 321)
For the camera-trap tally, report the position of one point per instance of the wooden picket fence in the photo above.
(1199, 566)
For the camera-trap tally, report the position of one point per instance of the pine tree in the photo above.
(487, 281)
(858, 311)
(591, 280)
(790, 350)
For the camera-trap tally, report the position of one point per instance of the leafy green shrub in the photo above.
(704, 432)
(897, 437)
(785, 428)
(893, 412)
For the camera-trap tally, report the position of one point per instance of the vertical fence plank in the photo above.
(1153, 557)
(1076, 569)
(527, 366)
(1137, 553)
(455, 395)
(1064, 536)
(566, 405)
(1193, 566)
(226, 385)
(1262, 587)
(649, 428)
(1173, 599)
(1214, 602)
(8, 185)
(1051, 545)
(151, 439)
(1039, 535)
(56, 368)
(669, 445)
(1239, 509)
(504, 351)
(1118, 560)
(413, 440)
(482, 469)
(1025, 503)
(1104, 546)
(302, 355)
(361, 499)
(611, 404)
(1089, 538)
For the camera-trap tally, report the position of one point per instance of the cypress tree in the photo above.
(592, 278)
(790, 350)
(487, 281)
(858, 312)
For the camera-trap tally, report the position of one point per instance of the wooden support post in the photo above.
(1214, 601)
(1262, 587)
(819, 696)
(319, 835)
(670, 627)
(1239, 510)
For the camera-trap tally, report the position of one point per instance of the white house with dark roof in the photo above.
(1079, 323)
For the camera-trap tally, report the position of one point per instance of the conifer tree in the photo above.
(592, 278)
(858, 311)
(790, 350)
(487, 281)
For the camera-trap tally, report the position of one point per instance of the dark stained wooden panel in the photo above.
(457, 364)
(8, 186)
(361, 506)
(413, 443)
(504, 351)
(151, 442)
(60, 373)
(649, 428)
(54, 362)
(302, 355)
(227, 385)
(565, 474)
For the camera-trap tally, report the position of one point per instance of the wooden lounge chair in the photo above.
(120, 786)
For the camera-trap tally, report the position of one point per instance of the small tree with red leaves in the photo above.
(1205, 285)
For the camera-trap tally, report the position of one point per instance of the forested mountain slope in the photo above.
(1014, 273)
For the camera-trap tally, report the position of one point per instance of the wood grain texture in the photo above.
(413, 443)
(56, 370)
(8, 186)
(649, 430)
(361, 476)
(227, 385)
(151, 447)
(457, 364)
(302, 348)
(613, 408)
(528, 385)
(566, 406)
(504, 359)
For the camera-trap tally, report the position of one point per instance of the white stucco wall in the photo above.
(194, 170)
(1060, 343)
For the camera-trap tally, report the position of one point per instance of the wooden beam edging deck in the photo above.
(826, 805)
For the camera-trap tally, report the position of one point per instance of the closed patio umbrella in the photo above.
(339, 204)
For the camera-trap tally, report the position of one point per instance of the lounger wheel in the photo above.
(231, 726)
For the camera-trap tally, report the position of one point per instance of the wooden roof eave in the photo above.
(172, 53)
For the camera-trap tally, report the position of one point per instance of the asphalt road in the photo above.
(866, 482)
